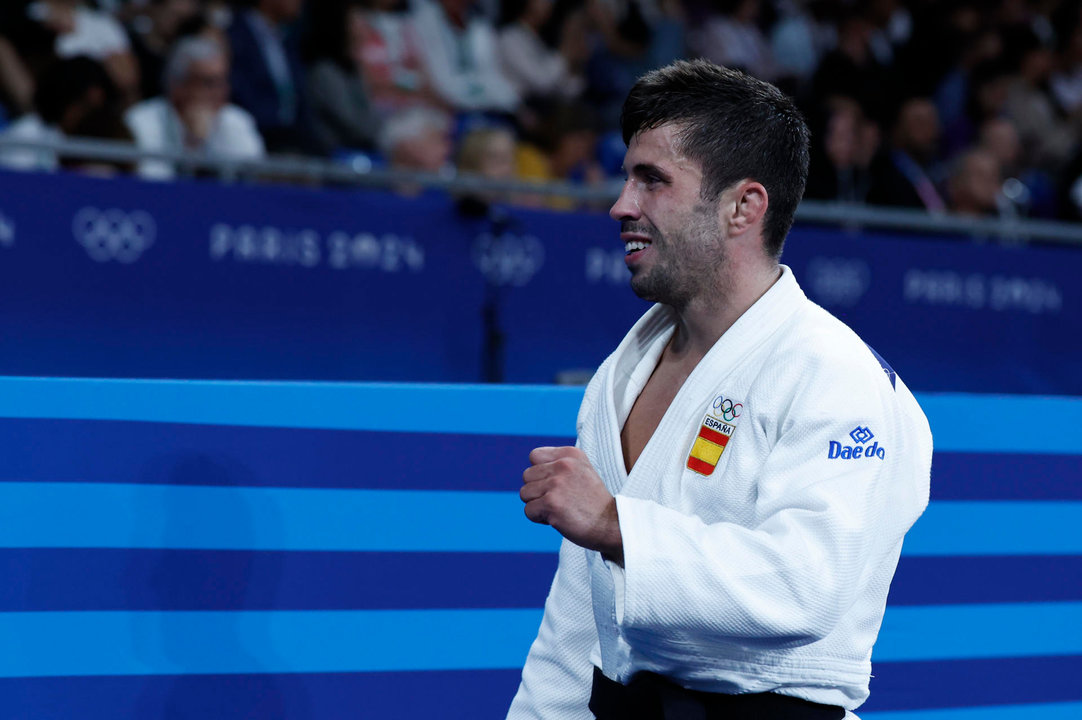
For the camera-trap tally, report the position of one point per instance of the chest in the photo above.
(649, 408)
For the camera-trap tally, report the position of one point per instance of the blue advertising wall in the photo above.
(314, 551)
(122, 278)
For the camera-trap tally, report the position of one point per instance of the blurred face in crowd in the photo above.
(205, 85)
(281, 11)
(1000, 138)
(169, 14)
(428, 151)
(842, 141)
(975, 185)
(918, 128)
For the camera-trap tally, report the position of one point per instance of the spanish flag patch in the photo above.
(714, 435)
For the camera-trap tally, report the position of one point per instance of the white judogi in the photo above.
(771, 572)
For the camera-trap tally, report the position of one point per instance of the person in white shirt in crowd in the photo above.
(535, 69)
(460, 55)
(194, 115)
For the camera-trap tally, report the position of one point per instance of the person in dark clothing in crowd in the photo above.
(266, 76)
(905, 174)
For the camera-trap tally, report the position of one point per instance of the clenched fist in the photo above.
(562, 489)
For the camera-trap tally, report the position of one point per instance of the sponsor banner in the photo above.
(123, 278)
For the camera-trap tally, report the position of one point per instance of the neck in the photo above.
(705, 319)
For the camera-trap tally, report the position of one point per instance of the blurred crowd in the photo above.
(946, 105)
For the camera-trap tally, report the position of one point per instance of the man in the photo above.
(267, 77)
(194, 116)
(746, 467)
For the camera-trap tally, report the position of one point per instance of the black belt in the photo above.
(651, 697)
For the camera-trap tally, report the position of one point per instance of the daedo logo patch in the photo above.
(716, 430)
(860, 435)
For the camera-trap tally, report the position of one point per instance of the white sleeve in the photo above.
(788, 577)
(536, 72)
(558, 675)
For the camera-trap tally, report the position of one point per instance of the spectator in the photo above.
(565, 148)
(489, 153)
(986, 97)
(536, 70)
(731, 37)
(842, 153)
(343, 116)
(1047, 138)
(391, 59)
(851, 70)
(799, 40)
(16, 82)
(905, 174)
(96, 34)
(1031, 191)
(460, 55)
(194, 116)
(266, 76)
(418, 140)
(67, 93)
(152, 33)
(974, 184)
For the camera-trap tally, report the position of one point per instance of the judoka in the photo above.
(746, 467)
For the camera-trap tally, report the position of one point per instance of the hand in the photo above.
(198, 122)
(562, 489)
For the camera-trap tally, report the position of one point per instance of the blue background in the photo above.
(230, 548)
(288, 283)
(305, 550)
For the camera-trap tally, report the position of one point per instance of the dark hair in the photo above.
(68, 81)
(326, 35)
(735, 127)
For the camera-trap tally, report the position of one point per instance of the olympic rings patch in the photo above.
(725, 409)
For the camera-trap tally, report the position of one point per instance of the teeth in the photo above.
(633, 245)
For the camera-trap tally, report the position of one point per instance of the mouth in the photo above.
(634, 246)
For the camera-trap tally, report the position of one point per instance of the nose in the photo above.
(626, 206)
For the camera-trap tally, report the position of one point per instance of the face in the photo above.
(206, 84)
(672, 238)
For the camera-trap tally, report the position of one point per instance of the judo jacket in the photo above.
(761, 524)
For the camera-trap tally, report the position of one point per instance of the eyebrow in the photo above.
(641, 169)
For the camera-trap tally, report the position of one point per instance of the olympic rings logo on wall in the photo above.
(726, 409)
(114, 234)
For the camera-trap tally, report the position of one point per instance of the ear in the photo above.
(749, 207)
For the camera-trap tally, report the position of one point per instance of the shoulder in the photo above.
(151, 111)
(815, 363)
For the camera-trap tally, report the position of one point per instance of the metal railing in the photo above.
(307, 170)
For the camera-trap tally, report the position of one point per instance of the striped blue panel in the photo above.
(477, 694)
(1002, 476)
(151, 579)
(1037, 711)
(989, 579)
(182, 454)
(997, 528)
(980, 631)
(157, 516)
(163, 516)
(166, 643)
(46, 450)
(156, 643)
(960, 423)
(137, 579)
(428, 695)
(924, 684)
(469, 409)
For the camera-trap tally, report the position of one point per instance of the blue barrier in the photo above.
(122, 278)
(272, 550)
